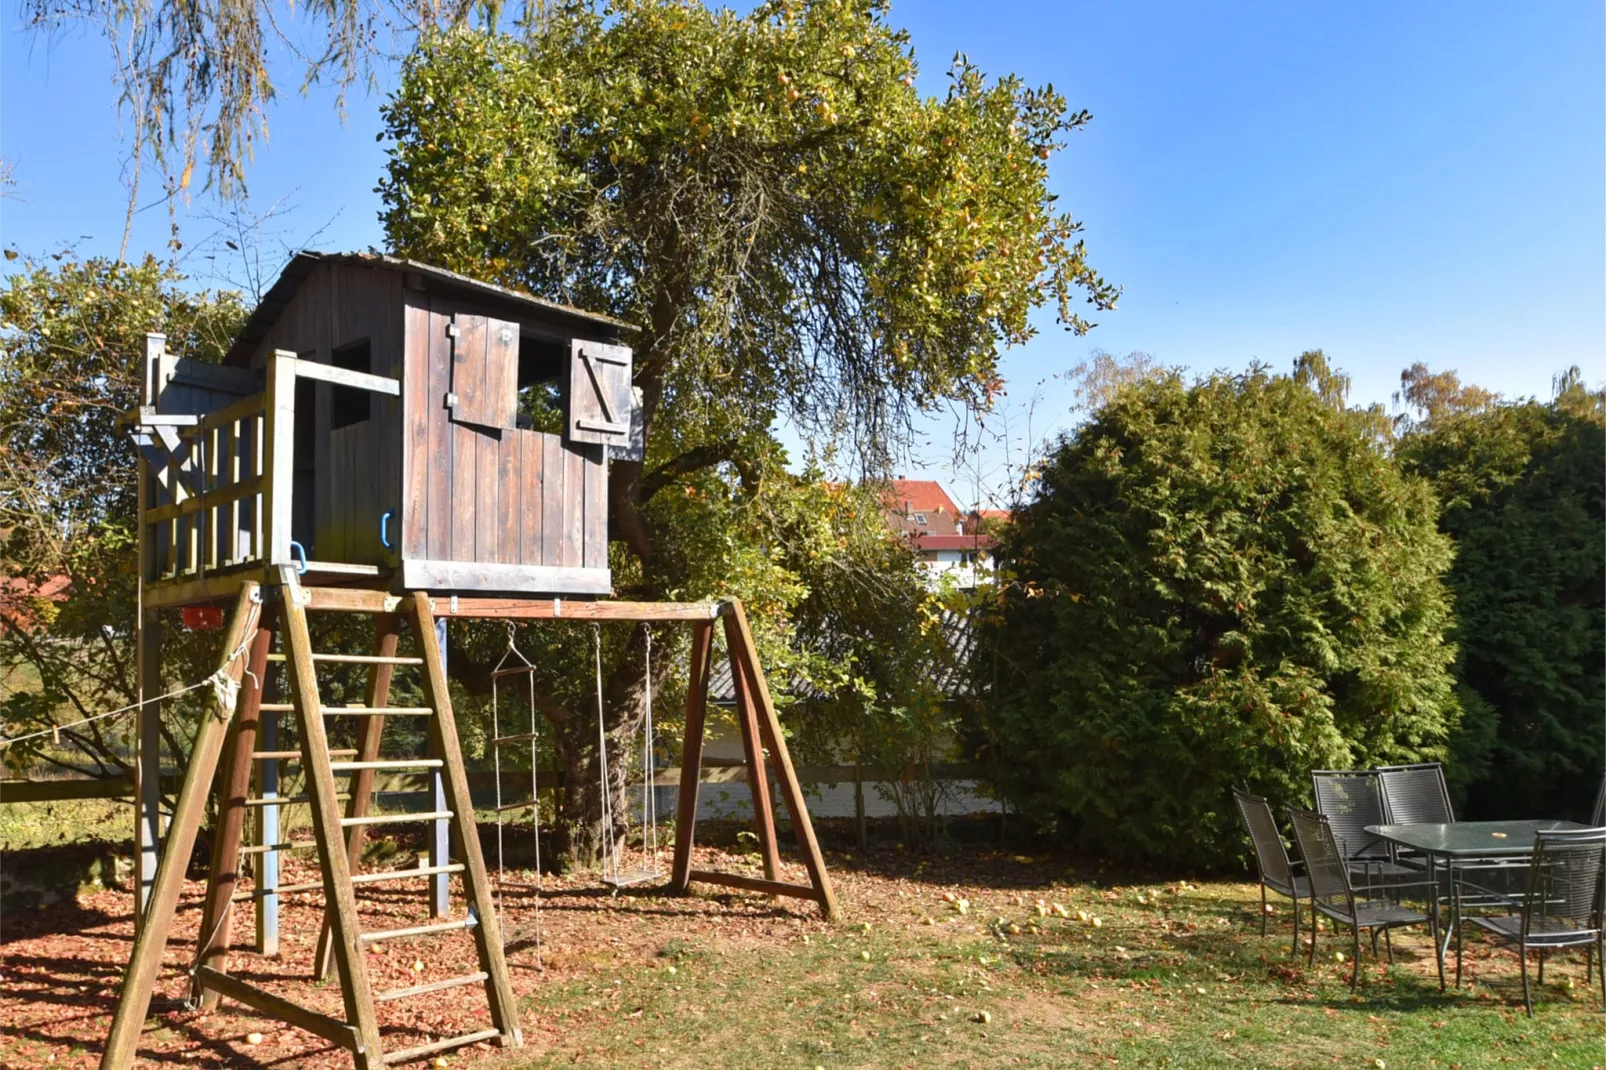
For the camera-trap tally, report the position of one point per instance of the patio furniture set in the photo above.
(1380, 837)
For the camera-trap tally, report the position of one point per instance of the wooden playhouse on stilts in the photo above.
(361, 451)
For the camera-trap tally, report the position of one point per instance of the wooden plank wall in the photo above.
(490, 495)
(355, 472)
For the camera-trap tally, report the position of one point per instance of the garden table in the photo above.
(1462, 841)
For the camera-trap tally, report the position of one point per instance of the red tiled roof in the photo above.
(919, 496)
(993, 514)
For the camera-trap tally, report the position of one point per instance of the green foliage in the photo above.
(766, 195)
(1218, 583)
(799, 237)
(1522, 488)
(72, 345)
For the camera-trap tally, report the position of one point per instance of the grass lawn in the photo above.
(1173, 974)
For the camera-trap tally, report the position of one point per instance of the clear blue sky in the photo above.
(1387, 182)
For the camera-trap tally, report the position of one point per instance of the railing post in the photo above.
(279, 456)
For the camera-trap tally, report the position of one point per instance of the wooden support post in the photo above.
(757, 777)
(387, 630)
(279, 463)
(145, 961)
(443, 734)
(147, 765)
(744, 653)
(320, 785)
(234, 785)
(691, 751)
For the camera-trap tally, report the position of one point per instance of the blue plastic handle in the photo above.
(301, 557)
(384, 529)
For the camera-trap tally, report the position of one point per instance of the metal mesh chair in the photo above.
(1351, 800)
(1418, 794)
(1271, 857)
(1332, 893)
(1561, 906)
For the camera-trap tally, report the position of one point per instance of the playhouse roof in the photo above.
(303, 264)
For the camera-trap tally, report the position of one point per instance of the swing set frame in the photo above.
(768, 760)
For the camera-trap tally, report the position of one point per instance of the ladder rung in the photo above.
(367, 659)
(403, 874)
(404, 763)
(506, 807)
(421, 930)
(332, 711)
(370, 711)
(435, 986)
(380, 819)
(514, 671)
(520, 738)
(288, 755)
(283, 889)
(288, 800)
(264, 848)
(409, 1054)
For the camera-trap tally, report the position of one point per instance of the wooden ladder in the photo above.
(338, 837)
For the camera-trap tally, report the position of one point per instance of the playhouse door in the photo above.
(485, 371)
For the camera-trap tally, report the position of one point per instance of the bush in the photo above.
(1523, 488)
(1218, 583)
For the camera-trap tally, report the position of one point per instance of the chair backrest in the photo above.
(1415, 794)
(1269, 850)
(1564, 880)
(1325, 863)
(1351, 800)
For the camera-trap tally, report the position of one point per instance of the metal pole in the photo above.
(267, 863)
(439, 837)
(147, 765)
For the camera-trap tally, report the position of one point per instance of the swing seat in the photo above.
(633, 877)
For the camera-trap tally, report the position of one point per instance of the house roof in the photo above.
(975, 541)
(919, 496)
(302, 265)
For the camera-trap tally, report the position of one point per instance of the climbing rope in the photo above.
(224, 687)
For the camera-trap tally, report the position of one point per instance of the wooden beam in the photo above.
(145, 961)
(205, 500)
(337, 887)
(234, 784)
(753, 884)
(744, 653)
(691, 751)
(419, 575)
(329, 373)
(216, 983)
(571, 609)
(443, 735)
(279, 461)
(757, 780)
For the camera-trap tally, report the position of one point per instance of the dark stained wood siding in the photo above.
(354, 474)
(489, 495)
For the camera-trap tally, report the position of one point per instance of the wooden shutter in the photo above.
(485, 371)
(599, 393)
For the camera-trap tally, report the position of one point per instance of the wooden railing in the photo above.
(219, 485)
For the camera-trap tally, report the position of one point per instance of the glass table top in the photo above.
(1471, 838)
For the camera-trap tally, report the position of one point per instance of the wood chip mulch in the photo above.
(59, 966)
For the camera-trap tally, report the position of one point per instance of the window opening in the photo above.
(349, 404)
